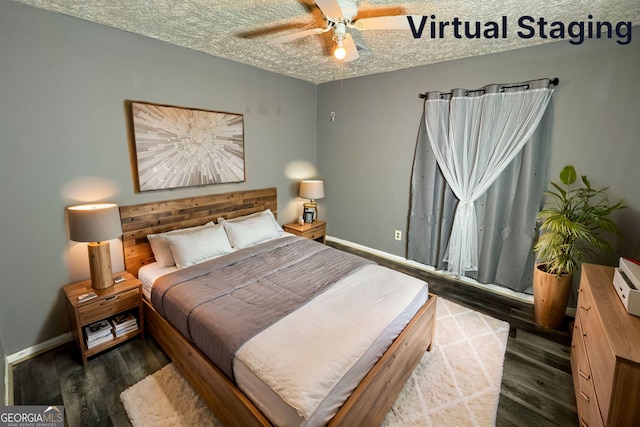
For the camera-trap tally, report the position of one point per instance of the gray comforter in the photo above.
(222, 303)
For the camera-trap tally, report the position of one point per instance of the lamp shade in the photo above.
(312, 189)
(94, 223)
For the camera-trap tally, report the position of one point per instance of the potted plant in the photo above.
(571, 223)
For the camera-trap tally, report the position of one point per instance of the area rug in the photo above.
(457, 383)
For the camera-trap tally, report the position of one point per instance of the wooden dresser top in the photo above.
(621, 328)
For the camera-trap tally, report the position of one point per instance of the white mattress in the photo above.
(272, 404)
(148, 275)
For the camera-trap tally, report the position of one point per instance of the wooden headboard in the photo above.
(159, 217)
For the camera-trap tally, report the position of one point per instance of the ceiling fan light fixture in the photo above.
(340, 52)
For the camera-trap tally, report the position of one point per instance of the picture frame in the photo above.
(308, 216)
(186, 147)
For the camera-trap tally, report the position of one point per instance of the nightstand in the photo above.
(317, 230)
(121, 298)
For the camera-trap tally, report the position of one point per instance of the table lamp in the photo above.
(312, 189)
(96, 224)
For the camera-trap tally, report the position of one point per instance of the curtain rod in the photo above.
(554, 81)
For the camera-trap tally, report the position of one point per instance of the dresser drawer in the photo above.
(586, 399)
(315, 233)
(601, 359)
(107, 307)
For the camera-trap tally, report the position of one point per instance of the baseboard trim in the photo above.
(13, 359)
(8, 384)
(28, 353)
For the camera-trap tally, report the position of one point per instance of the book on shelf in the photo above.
(123, 324)
(124, 320)
(107, 330)
(98, 330)
(126, 330)
(96, 342)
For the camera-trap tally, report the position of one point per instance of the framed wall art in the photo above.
(183, 147)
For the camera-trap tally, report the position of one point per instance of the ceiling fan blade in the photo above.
(398, 22)
(295, 36)
(352, 50)
(330, 8)
(265, 31)
(366, 10)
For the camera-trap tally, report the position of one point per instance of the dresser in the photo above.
(605, 354)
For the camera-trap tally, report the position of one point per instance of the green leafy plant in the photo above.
(571, 224)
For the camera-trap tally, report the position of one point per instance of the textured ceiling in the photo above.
(239, 29)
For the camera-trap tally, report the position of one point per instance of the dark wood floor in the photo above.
(91, 396)
(537, 388)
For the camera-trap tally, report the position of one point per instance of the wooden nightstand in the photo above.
(315, 231)
(123, 297)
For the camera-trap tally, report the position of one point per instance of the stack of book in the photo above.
(123, 324)
(98, 333)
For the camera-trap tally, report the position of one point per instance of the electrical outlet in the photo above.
(398, 235)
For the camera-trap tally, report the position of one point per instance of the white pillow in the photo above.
(200, 245)
(160, 247)
(266, 212)
(252, 230)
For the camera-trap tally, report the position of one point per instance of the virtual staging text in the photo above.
(527, 27)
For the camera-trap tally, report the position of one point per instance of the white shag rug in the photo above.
(457, 383)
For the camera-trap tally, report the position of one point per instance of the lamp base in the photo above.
(100, 265)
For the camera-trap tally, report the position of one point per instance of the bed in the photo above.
(237, 388)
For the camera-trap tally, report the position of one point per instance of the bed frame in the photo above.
(370, 401)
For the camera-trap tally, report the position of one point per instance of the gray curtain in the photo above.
(506, 212)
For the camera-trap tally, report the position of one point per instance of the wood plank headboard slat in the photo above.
(158, 217)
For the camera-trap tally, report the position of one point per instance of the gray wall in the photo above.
(366, 154)
(63, 136)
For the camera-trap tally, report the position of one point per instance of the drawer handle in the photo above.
(110, 298)
(584, 396)
(585, 308)
(583, 375)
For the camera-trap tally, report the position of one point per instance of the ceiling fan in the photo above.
(340, 15)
